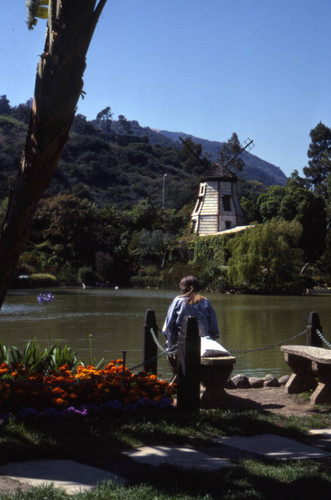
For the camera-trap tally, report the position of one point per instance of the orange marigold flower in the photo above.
(57, 390)
(109, 366)
(64, 368)
(152, 377)
(60, 402)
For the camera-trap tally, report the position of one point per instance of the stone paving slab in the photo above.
(180, 456)
(275, 447)
(320, 432)
(69, 475)
(74, 477)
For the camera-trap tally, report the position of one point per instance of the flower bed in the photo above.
(68, 392)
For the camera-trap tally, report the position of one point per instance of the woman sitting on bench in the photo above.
(190, 303)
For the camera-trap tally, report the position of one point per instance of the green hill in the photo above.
(121, 162)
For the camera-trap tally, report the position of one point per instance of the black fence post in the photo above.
(188, 366)
(312, 337)
(149, 346)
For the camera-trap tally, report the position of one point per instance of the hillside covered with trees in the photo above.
(102, 218)
(117, 161)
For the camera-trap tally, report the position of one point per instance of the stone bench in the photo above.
(311, 367)
(214, 373)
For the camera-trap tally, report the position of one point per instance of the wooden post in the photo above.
(188, 366)
(312, 338)
(149, 346)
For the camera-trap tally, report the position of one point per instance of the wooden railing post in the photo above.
(188, 366)
(312, 338)
(149, 346)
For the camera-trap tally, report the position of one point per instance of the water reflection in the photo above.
(115, 319)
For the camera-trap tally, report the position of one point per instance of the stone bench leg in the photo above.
(213, 380)
(322, 393)
(303, 378)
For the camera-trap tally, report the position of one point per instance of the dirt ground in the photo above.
(271, 399)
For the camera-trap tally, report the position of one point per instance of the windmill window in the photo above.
(198, 205)
(226, 203)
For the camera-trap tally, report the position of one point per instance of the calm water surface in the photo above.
(115, 319)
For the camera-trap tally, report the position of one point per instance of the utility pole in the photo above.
(163, 194)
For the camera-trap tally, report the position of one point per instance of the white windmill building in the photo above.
(217, 208)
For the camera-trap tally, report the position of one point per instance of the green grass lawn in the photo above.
(98, 441)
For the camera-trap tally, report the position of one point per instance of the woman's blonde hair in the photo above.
(189, 286)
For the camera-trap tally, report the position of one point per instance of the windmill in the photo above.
(217, 208)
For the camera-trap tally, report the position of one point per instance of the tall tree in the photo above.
(22, 111)
(104, 118)
(319, 152)
(4, 105)
(59, 84)
(229, 150)
(191, 156)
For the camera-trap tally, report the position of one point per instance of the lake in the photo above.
(115, 320)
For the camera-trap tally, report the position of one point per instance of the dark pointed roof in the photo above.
(219, 172)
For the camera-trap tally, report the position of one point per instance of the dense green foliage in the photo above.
(266, 256)
(294, 202)
(102, 218)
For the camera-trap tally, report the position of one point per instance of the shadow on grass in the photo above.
(304, 482)
(99, 439)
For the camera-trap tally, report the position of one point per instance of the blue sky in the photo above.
(260, 68)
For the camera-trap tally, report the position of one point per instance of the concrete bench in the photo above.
(214, 372)
(311, 367)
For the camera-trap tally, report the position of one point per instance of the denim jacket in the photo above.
(179, 308)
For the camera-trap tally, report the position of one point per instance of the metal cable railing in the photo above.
(319, 333)
(173, 350)
(271, 346)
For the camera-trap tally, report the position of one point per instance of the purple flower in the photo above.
(45, 298)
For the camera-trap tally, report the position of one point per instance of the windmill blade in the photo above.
(248, 144)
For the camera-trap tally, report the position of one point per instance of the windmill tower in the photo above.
(217, 208)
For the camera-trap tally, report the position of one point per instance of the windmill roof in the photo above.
(219, 172)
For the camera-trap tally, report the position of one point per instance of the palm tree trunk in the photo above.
(59, 84)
